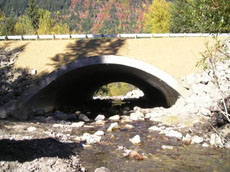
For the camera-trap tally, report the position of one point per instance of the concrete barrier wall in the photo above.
(93, 36)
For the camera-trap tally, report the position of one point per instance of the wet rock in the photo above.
(100, 122)
(136, 116)
(31, 129)
(128, 126)
(99, 133)
(114, 118)
(77, 124)
(135, 155)
(132, 154)
(154, 128)
(187, 139)
(196, 140)
(167, 147)
(137, 109)
(215, 140)
(113, 126)
(83, 169)
(100, 117)
(227, 145)
(90, 139)
(58, 125)
(102, 169)
(84, 117)
(173, 133)
(205, 145)
(135, 140)
(125, 119)
(148, 115)
(225, 130)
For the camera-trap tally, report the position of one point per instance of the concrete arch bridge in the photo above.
(75, 83)
(79, 67)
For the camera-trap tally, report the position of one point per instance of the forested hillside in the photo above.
(88, 16)
(18, 7)
(18, 17)
(117, 16)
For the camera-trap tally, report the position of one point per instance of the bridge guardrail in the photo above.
(176, 35)
(2, 37)
(144, 35)
(46, 36)
(78, 36)
(96, 36)
(109, 35)
(93, 36)
(62, 36)
(128, 35)
(14, 37)
(30, 37)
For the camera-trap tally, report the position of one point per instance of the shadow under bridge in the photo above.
(75, 83)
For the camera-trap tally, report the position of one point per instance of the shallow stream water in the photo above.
(107, 153)
(182, 158)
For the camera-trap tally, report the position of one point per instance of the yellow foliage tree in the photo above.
(60, 28)
(2, 16)
(45, 23)
(23, 26)
(48, 26)
(157, 19)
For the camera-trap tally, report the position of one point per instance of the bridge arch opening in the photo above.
(118, 90)
(75, 84)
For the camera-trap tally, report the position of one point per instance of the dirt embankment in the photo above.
(176, 56)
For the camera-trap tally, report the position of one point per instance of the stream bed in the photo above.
(28, 142)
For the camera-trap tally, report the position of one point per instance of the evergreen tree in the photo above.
(157, 19)
(200, 16)
(182, 17)
(33, 13)
(212, 16)
(7, 26)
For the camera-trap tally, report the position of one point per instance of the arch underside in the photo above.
(75, 84)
